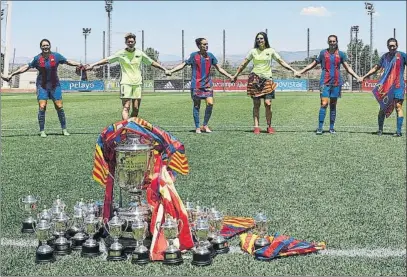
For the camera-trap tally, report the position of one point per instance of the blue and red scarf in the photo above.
(43, 70)
(387, 84)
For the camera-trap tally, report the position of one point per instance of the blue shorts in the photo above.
(331, 91)
(53, 94)
(201, 93)
(399, 93)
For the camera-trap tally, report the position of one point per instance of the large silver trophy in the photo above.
(202, 255)
(44, 252)
(134, 161)
(260, 228)
(29, 205)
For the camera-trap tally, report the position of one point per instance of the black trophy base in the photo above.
(211, 249)
(44, 258)
(173, 258)
(116, 255)
(140, 258)
(62, 249)
(28, 227)
(202, 259)
(221, 248)
(77, 244)
(90, 251)
(129, 244)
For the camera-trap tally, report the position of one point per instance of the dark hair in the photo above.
(198, 41)
(44, 39)
(392, 40)
(129, 35)
(333, 36)
(266, 40)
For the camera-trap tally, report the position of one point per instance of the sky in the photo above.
(163, 22)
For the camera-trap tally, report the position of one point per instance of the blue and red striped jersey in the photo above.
(48, 66)
(330, 65)
(401, 62)
(201, 68)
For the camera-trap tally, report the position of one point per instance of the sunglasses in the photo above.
(332, 41)
(392, 46)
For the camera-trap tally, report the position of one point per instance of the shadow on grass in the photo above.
(50, 134)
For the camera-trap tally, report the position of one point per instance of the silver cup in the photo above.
(220, 244)
(114, 229)
(261, 228)
(60, 226)
(172, 255)
(139, 229)
(202, 256)
(77, 228)
(28, 203)
(91, 248)
(44, 252)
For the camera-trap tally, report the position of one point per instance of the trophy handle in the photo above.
(158, 227)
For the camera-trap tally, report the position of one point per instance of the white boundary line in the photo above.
(355, 252)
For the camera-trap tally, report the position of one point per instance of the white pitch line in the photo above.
(356, 252)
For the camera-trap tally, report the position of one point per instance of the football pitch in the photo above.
(347, 189)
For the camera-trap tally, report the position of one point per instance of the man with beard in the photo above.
(331, 81)
(130, 60)
(390, 88)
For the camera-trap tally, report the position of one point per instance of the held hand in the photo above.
(168, 72)
(297, 74)
(88, 67)
(360, 79)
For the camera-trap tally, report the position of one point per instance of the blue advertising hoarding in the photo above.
(291, 85)
(96, 85)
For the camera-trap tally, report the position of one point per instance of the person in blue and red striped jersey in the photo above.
(48, 86)
(393, 64)
(201, 82)
(331, 81)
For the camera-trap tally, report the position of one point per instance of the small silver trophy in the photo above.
(114, 229)
(60, 226)
(44, 252)
(139, 228)
(260, 228)
(77, 227)
(220, 244)
(202, 256)
(29, 205)
(91, 248)
(172, 255)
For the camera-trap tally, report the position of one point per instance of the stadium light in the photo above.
(2, 13)
(355, 29)
(370, 11)
(86, 32)
(109, 9)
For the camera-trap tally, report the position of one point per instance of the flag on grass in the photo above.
(169, 159)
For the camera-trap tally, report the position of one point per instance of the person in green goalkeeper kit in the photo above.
(130, 60)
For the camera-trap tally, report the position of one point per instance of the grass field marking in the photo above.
(356, 252)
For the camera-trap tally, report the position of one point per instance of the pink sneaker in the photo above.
(256, 130)
(270, 130)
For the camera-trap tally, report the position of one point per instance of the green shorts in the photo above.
(130, 91)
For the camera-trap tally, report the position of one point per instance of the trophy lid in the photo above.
(216, 215)
(169, 222)
(133, 143)
(115, 221)
(58, 202)
(61, 217)
(80, 204)
(137, 222)
(260, 217)
(45, 214)
(43, 225)
(90, 218)
(29, 199)
(202, 224)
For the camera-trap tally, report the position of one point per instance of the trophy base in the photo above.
(28, 227)
(116, 255)
(90, 251)
(62, 249)
(77, 244)
(221, 247)
(129, 244)
(140, 258)
(44, 258)
(201, 259)
(173, 258)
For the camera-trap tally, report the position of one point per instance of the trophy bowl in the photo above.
(77, 227)
(44, 252)
(90, 248)
(172, 255)
(46, 215)
(260, 228)
(220, 244)
(202, 256)
(140, 254)
(29, 205)
(115, 251)
(60, 225)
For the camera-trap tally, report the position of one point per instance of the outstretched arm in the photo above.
(372, 71)
(159, 66)
(350, 71)
(101, 62)
(72, 63)
(241, 67)
(22, 69)
(286, 65)
(222, 71)
(178, 67)
(308, 67)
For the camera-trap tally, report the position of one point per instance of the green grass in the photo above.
(346, 189)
